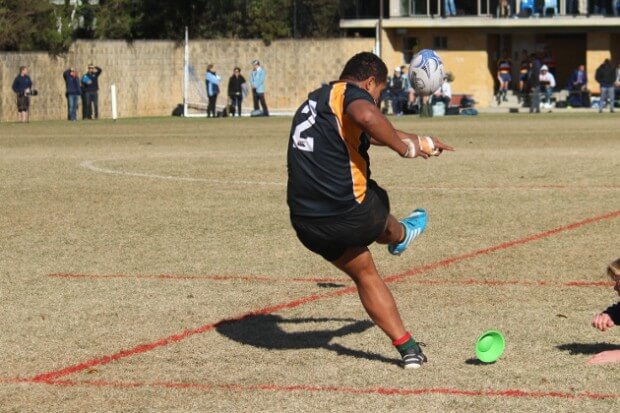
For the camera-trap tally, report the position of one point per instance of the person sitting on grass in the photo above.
(336, 209)
(609, 318)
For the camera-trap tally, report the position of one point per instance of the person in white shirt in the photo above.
(547, 83)
(444, 93)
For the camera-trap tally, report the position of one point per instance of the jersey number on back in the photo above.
(305, 143)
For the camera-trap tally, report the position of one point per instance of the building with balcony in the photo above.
(471, 41)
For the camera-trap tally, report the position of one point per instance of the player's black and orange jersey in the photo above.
(328, 165)
(504, 65)
(525, 66)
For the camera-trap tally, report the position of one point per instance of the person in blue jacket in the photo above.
(22, 86)
(213, 89)
(257, 78)
(90, 86)
(73, 92)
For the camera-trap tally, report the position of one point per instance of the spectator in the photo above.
(524, 71)
(606, 77)
(533, 83)
(90, 85)
(22, 86)
(599, 7)
(578, 79)
(615, 7)
(410, 93)
(396, 88)
(609, 318)
(578, 87)
(212, 80)
(549, 60)
(236, 91)
(73, 92)
(444, 93)
(449, 8)
(503, 9)
(257, 78)
(504, 76)
(547, 82)
(572, 7)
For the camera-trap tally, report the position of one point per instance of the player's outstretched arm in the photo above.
(370, 119)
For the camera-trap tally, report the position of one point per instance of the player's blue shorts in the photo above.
(506, 77)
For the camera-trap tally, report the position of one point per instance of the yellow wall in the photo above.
(598, 49)
(466, 58)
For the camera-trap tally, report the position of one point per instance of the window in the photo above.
(410, 46)
(440, 42)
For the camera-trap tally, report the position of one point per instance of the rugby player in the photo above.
(335, 208)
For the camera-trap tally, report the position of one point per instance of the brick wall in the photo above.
(149, 74)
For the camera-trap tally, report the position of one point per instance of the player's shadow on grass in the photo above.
(265, 331)
(587, 348)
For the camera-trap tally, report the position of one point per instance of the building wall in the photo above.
(466, 57)
(599, 49)
(149, 74)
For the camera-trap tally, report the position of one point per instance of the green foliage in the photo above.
(268, 19)
(32, 25)
(115, 19)
(317, 18)
(40, 25)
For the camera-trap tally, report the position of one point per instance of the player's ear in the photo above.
(370, 83)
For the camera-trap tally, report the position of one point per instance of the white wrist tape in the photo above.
(410, 149)
(428, 146)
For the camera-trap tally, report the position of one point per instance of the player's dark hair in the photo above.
(364, 65)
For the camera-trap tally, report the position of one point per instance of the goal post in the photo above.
(195, 99)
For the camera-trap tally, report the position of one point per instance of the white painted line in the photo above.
(91, 166)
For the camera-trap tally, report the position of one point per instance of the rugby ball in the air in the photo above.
(426, 72)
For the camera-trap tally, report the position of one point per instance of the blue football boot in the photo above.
(414, 225)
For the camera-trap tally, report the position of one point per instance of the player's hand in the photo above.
(440, 146)
(610, 356)
(432, 146)
(602, 322)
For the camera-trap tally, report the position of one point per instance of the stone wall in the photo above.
(149, 74)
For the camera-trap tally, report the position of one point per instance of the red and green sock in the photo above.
(405, 343)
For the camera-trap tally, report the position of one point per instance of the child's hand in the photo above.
(602, 321)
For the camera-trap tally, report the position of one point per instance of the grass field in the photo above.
(149, 265)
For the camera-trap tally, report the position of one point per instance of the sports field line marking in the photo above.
(260, 278)
(301, 388)
(90, 165)
(143, 348)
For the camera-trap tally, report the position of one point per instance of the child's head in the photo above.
(613, 270)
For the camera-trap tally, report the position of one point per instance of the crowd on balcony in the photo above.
(535, 8)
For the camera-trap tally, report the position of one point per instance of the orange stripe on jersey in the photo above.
(350, 134)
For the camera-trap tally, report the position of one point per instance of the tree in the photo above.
(115, 19)
(317, 18)
(32, 25)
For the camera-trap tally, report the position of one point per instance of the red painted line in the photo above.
(383, 391)
(470, 281)
(143, 348)
(545, 234)
(509, 187)
(527, 283)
